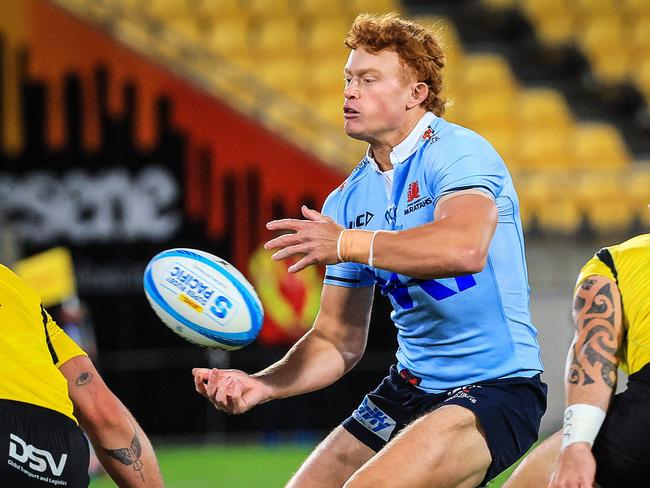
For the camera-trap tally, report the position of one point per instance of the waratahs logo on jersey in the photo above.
(413, 191)
(414, 200)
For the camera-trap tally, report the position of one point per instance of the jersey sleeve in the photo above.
(349, 275)
(62, 347)
(467, 162)
(595, 266)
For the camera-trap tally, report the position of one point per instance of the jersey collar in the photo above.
(409, 145)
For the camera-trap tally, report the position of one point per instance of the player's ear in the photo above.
(419, 93)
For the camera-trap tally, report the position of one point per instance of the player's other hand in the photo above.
(230, 390)
(576, 468)
(314, 239)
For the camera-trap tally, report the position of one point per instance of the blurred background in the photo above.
(131, 126)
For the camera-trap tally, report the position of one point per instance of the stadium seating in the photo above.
(613, 35)
(285, 43)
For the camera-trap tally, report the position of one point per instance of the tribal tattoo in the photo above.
(593, 353)
(83, 379)
(129, 455)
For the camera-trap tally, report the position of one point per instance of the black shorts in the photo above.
(40, 448)
(622, 448)
(509, 410)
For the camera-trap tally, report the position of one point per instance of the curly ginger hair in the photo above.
(417, 47)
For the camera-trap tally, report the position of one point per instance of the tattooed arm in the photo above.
(591, 369)
(122, 447)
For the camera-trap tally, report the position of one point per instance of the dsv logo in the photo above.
(39, 459)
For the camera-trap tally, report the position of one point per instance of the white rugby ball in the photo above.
(203, 298)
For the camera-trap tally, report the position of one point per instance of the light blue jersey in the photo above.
(451, 331)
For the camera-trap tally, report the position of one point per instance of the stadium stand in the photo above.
(513, 93)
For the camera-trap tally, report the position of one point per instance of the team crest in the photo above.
(414, 200)
(413, 192)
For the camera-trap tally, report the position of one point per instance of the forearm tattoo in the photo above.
(593, 353)
(129, 456)
(83, 379)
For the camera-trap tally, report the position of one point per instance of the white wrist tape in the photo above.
(338, 247)
(371, 252)
(581, 423)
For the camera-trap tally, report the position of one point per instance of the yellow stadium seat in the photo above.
(539, 9)
(555, 30)
(229, 37)
(489, 110)
(486, 73)
(637, 186)
(164, 9)
(639, 38)
(326, 76)
(544, 149)
(330, 108)
(559, 213)
(277, 36)
(635, 8)
(283, 74)
(611, 64)
(543, 109)
(326, 35)
(219, 8)
(602, 197)
(594, 9)
(533, 191)
(186, 27)
(331, 9)
(372, 6)
(599, 145)
(602, 32)
(266, 9)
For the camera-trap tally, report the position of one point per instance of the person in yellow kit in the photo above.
(605, 440)
(48, 389)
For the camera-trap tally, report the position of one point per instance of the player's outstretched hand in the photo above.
(576, 468)
(314, 238)
(230, 390)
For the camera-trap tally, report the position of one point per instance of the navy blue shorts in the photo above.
(40, 448)
(509, 409)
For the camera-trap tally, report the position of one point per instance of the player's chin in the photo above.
(354, 131)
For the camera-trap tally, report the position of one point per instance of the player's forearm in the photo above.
(592, 362)
(126, 453)
(441, 249)
(314, 362)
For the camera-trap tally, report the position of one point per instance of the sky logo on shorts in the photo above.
(462, 392)
(374, 419)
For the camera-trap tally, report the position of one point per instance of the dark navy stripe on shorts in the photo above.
(509, 410)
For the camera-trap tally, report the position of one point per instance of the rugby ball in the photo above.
(203, 298)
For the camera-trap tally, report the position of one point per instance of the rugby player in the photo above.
(444, 243)
(48, 387)
(605, 437)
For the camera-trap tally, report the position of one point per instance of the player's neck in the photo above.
(381, 147)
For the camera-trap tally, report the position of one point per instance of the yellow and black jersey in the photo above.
(628, 264)
(32, 346)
